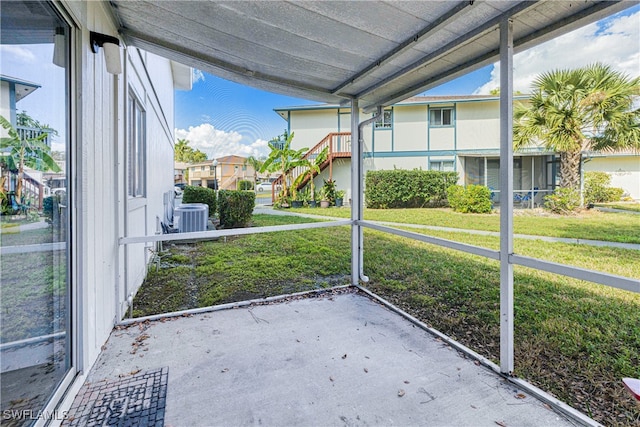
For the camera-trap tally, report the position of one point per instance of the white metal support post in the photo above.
(506, 195)
(356, 195)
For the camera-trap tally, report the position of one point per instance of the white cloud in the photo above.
(616, 44)
(19, 54)
(197, 75)
(217, 143)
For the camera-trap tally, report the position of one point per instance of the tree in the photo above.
(24, 152)
(313, 168)
(256, 163)
(283, 159)
(184, 153)
(571, 111)
(496, 92)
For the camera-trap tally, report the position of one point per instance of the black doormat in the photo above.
(136, 399)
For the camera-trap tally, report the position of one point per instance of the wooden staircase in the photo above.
(339, 144)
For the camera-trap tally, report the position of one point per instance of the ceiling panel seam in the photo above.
(460, 41)
(453, 12)
(232, 37)
(223, 65)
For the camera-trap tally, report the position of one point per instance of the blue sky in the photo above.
(221, 118)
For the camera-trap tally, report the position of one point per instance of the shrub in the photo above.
(470, 199)
(328, 191)
(49, 206)
(563, 201)
(204, 195)
(597, 189)
(400, 188)
(236, 208)
(51, 210)
(244, 185)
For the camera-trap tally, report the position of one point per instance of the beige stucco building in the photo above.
(227, 170)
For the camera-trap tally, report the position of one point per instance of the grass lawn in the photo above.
(573, 338)
(592, 224)
(33, 295)
(33, 286)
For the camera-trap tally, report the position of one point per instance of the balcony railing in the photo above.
(25, 132)
(338, 145)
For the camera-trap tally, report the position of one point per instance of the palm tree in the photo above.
(313, 168)
(571, 111)
(19, 153)
(181, 150)
(256, 164)
(283, 159)
(184, 153)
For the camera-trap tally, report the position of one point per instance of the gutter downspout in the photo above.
(357, 208)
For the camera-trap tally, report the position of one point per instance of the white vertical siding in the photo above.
(148, 77)
(104, 212)
(96, 196)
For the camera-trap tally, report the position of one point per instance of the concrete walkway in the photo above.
(634, 246)
(337, 360)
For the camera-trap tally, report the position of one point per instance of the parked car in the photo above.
(266, 186)
(178, 191)
(263, 186)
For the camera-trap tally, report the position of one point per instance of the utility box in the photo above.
(190, 217)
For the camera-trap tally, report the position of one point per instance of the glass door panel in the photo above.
(34, 222)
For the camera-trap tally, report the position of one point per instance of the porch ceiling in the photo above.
(377, 51)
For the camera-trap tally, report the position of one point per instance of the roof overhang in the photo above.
(376, 51)
(22, 87)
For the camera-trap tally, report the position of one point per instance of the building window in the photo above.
(441, 117)
(137, 145)
(385, 121)
(441, 165)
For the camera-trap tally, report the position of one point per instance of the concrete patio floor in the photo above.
(340, 359)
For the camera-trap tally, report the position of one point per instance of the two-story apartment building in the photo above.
(450, 133)
(227, 170)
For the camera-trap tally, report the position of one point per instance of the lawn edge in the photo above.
(556, 405)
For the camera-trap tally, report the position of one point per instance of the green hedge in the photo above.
(407, 188)
(236, 208)
(469, 199)
(204, 195)
(245, 185)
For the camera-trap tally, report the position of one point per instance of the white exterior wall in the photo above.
(390, 163)
(103, 212)
(478, 125)
(624, 172)
(410, 128)
(382, 140)
(310, 127)
(5, 105)
(442, 138)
